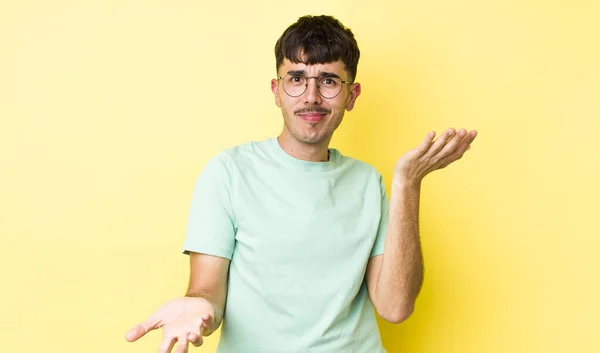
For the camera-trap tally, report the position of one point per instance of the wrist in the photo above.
(404, 183)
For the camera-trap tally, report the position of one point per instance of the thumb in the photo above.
(207, 320)
(139, 331)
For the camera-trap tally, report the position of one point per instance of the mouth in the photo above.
(312, 116)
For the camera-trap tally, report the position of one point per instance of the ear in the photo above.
(354, 93)
(275, 89)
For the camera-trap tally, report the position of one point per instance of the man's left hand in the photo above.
(431, 155)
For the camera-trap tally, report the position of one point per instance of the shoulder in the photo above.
(233, 157)
(244, 150)
(357, 166)
(223, 167)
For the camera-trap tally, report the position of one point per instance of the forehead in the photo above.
(335, 67)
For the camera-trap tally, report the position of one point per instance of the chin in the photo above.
(307, 136)
(315, 139)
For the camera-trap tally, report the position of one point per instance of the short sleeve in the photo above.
(383, 221)
(211, 222)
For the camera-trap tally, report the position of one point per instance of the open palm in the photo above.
(433, 154)
(184, 320)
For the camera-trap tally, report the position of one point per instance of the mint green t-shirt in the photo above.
(299, 235)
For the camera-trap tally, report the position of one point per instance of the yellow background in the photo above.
(109, 110)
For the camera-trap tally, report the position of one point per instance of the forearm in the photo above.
(401, 273)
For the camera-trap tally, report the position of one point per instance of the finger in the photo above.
(182, 344)
(472, 135)
(207, 323)
(167, 344)
(459, 152)
(438, 144)
(195, 339)
(466, 142)
(207, 320)
(135, 333)
(453, 144)
(455, 148)
(140, 330)
(424, 145)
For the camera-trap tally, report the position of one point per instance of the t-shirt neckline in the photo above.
(284, 157)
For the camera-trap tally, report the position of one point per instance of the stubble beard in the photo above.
(309, 139)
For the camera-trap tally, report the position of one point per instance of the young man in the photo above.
(297, 240)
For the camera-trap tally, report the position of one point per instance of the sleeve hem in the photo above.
(224, 253)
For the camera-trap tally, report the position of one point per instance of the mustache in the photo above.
(312, 110)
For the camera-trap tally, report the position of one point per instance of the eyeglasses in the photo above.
(329, 86)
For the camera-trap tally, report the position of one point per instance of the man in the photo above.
(298, 241)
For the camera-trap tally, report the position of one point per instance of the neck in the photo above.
(318, 152)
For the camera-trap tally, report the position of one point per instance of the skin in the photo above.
(310, 120)
(394, 278)
(186, 320)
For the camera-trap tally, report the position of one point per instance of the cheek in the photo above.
(285, 103)
(336, 117)
(337, 109)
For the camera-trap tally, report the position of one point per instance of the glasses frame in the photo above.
(317, 79)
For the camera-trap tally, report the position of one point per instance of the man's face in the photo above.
(310, 118)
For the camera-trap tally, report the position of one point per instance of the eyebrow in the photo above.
(321, 74)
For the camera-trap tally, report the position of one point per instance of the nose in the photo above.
(311, 95)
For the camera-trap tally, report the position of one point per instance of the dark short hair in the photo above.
(316, 40)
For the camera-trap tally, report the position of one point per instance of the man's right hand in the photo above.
(184, 320)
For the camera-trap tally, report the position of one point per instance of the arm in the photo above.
(394, 279)
(208, 280)
(210, 230)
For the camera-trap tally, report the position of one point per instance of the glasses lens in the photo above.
(330, 86)
(295, 85)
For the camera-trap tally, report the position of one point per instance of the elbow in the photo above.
(398, 315)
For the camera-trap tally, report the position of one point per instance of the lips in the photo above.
(312, 117)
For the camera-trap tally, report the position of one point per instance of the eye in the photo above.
(295, 79)
(329, 81)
